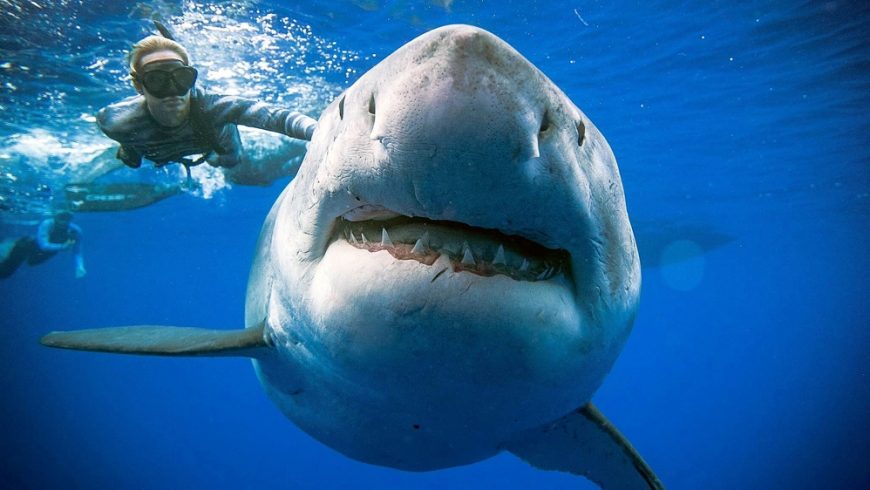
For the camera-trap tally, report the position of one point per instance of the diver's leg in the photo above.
(14, 253)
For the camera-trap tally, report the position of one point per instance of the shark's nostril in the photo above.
(372, 105)
(341, 108)
(545, 122)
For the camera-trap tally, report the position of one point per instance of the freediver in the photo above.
(171, 119)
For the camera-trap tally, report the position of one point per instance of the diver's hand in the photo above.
(130, 160)
(80, 272)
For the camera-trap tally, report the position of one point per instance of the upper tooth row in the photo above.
(467, 256)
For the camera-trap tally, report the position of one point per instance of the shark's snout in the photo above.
(471, 94)
(462, 129)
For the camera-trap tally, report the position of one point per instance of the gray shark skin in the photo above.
(452, 272)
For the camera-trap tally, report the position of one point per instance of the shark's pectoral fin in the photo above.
(160, 340)
(585, 443)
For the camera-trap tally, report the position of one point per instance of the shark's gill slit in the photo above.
(372, 104)
(341, 108)
(581, 133)
(480, 251)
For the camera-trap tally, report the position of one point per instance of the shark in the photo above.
(451, 274)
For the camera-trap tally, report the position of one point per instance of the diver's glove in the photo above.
(129, 158)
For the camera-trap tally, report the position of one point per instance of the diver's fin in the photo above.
(117, 196)
(585, 443)
(164, 341)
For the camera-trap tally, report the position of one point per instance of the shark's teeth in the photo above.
(499, 256)
(467, 257)
(419, 248)
(460, 245)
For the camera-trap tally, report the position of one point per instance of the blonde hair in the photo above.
(152, 44)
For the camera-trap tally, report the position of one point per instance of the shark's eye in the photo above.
(581, 133)
(372, 105)
(341, 108)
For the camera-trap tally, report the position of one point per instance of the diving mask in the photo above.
(167, 78)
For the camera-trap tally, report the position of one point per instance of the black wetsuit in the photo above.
(211, 127)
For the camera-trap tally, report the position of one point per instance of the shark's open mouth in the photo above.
(480, 251)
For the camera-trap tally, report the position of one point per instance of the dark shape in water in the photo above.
(653, 238)
(116, 196)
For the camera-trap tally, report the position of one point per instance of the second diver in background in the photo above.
(52, 236)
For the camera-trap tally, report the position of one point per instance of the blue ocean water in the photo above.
(741, 132)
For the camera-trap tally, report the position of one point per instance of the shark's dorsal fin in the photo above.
(585, 443)
(159, 340)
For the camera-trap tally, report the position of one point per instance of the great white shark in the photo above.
(451, 274)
